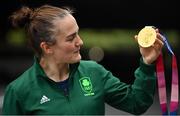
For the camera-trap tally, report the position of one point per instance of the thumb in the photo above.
(136, 38)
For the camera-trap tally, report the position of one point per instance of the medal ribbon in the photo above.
(162, 84)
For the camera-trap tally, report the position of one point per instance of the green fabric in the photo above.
(90, 86)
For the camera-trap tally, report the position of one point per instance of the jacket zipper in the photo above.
(66, 94)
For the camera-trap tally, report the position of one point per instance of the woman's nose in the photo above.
(79, 41)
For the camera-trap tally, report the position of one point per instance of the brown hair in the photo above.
(39, 24)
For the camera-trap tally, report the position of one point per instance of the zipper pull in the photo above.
(66, 92)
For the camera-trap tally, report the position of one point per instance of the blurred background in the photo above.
(107, 28)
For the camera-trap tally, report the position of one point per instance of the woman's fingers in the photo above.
(158, 45)
(159, 36)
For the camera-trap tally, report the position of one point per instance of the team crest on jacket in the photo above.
(86, 86)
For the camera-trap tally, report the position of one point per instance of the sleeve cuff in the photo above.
(147, 68)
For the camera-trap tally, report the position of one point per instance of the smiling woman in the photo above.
(59, 80)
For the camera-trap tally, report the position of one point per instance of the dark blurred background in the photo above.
(107, 28)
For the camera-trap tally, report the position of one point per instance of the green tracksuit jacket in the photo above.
(90, 87)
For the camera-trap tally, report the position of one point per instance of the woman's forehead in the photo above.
(67, 25)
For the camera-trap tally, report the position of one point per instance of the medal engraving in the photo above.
(147, 36)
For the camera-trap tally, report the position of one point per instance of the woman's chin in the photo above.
(77, 59)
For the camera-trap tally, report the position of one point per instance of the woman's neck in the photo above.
(55, 71)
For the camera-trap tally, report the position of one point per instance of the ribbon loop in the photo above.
(162, 84)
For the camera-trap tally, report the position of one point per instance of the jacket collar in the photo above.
(40, 72)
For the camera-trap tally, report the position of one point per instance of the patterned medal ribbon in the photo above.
(162, 84)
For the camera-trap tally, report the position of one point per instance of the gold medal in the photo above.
(147, 36)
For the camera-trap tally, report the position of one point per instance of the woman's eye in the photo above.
(71, 38)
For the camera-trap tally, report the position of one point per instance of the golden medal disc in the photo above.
(147, 36)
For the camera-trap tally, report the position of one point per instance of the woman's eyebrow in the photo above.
(73, 34)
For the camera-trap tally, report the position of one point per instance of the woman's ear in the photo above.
(46, 48)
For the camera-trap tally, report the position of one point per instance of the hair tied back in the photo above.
(21, 17)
